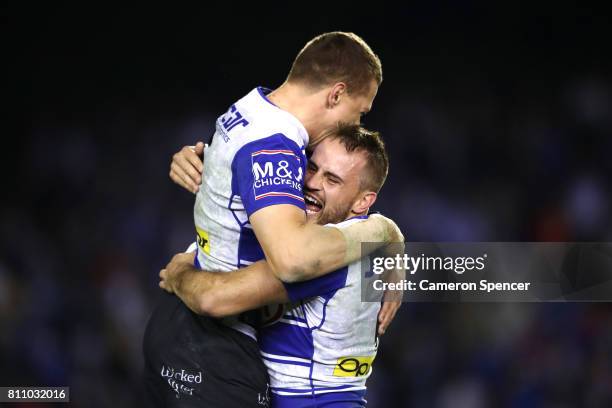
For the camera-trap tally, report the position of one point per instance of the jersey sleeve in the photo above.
(318, 286)
(269, 171)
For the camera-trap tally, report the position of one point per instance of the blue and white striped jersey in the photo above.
(325, 340)
(256, 159)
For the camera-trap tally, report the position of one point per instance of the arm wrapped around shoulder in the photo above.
(376, 229)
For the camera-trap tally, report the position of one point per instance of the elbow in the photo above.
(291, 268)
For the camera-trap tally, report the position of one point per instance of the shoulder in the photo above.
(346, 223)
(267, 119)
(253, 124)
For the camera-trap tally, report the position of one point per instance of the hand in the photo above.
(186, 167)
(392, 299)
(386, 314)
(391, 302)
(170, 275)
(394, 234)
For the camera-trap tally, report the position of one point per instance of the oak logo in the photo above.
(353, 366)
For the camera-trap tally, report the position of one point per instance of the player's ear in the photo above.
(335, 94)
(364, 202)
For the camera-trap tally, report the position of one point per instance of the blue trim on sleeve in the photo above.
(269, 171)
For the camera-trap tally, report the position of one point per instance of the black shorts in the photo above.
(195, 361)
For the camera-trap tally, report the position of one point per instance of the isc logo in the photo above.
(232, 119)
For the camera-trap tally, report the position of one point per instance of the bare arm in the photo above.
(297, 250)
(220, 294)
(294, 249)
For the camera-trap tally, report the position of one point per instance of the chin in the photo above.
(312, 217)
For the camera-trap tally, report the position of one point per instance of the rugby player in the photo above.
(251, 207)
(320, 345)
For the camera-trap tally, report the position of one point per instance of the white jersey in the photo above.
(325, 340)
(256, 159)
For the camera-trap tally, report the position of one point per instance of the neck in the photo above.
(303, 103)
(353, 214)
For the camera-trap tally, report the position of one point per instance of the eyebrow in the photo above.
(333, 175)
(326, 173)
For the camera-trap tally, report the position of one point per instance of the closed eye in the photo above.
(332, 178)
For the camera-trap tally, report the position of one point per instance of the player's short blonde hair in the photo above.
(337, 57)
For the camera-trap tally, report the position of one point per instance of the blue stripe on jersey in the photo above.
(309, 390)
(277, 360)
(284, 339)
(295, 339)
(347, 399)
(249, 249)
(318, 286)
(295, 318)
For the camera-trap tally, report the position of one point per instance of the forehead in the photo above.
(331, 155)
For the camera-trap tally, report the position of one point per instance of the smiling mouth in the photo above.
(312, 204)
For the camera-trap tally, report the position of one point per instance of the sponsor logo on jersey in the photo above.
(232, 119)
(181, 381)
(202, 240)
(277, 173)
(356, 366)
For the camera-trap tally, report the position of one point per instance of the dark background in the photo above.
(498, 120)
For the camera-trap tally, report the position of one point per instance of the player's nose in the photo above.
(313, 181)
